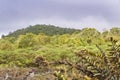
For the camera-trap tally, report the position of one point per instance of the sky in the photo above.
(99, 14)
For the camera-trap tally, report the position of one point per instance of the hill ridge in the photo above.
(41, 28)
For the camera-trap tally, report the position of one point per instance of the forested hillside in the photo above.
(54, 53)
(46, 29)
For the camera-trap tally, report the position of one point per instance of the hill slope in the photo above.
(46, 29)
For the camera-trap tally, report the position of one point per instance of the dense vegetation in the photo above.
(46, 29)
(85, 54)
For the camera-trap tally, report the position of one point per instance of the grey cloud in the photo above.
(18, 13)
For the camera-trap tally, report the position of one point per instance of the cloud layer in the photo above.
(100, 14)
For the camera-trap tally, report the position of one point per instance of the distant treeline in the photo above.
(46, 29)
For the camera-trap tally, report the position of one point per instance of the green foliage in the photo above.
(104, 66)
(52, 45)
(42, 39)
(6, 45)
(87, 32)
(59, 76)
(26, 40)
(115, 31)
(46, 29)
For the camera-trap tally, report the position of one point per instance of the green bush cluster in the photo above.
(22, 50)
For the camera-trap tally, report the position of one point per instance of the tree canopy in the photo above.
(46, 29)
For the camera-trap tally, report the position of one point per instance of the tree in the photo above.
(2, 36)
(89, 32)
(46, 29)
(5, 45)
(27, 40)
(42, 39)
(115, 31)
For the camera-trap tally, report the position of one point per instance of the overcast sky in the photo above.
(100, 14)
